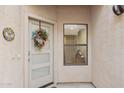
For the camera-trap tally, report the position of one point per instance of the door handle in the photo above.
(28, 56)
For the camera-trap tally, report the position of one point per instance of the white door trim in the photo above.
(26, 46)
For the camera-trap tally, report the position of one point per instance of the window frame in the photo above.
(86, 64)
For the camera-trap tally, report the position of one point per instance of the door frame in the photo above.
(26, 46)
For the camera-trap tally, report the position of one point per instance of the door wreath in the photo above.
(39, 37)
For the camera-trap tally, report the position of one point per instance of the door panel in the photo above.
(36, 59)
(41, 61)
(40, 72)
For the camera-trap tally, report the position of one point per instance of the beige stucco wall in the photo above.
(11, 61)
(72, 14)
(107, 47)
(46, 11)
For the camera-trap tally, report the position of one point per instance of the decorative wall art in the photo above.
(39, 37)
(8, 34)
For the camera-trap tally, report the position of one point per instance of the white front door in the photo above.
(40, 61)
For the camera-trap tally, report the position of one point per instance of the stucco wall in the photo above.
(11, 64)
(46, 11)
(72, 14)
(107, 47)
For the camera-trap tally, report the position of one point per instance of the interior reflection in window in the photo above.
(75, 44)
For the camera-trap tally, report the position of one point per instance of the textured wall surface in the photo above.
(11, 64)
(45, 11)
(107, 47)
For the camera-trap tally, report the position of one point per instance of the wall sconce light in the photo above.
(118, 9)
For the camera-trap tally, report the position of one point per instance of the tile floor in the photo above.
(75, 85)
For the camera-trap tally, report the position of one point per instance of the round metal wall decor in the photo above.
(8, 34)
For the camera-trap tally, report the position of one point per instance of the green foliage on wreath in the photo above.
(39, 37)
